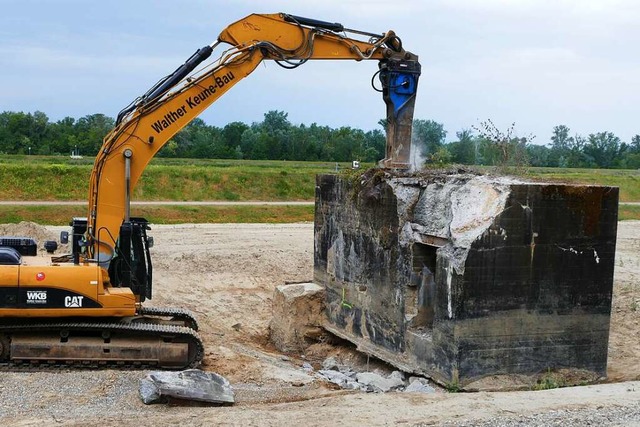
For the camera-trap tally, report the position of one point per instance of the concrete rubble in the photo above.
(192, 384)
(459, 276)
(377, 381)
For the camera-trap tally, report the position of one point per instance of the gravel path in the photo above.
(617, 416)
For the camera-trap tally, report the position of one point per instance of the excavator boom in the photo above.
(145, 126)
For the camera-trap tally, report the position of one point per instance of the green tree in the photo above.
(349, 144)
(561, 144)
(464, 149)
(634, 147)
(539, 155)
(232, 136)
(91, 130)
(62, 136)
(254, 143)
(428, 136)
(441, 157)
(24, 132)
(321, 137)
(375, 146)
(605, 149)
(199, 140)
(632, 157)
(576, 155)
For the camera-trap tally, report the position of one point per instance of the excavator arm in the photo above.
(146, 125)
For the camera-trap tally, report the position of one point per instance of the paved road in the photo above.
(158, 203)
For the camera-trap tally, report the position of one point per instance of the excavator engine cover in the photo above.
(24, 245)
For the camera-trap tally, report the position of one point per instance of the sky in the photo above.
(537, 63)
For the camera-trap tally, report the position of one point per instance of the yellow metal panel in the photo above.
(9, 275)
(83, 279)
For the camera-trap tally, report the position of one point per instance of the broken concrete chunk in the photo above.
(297, 315)
(192, 384)
(378, 383)
(340, 379)
(347, 371)
(419, 385)
(397, 375)
(330, 363)
(149, 392)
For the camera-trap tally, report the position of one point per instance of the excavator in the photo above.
(86, 308)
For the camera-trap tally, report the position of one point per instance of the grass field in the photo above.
(174, 179)
(61, 178)
(628, 212)
(627, 180)
(61, 215)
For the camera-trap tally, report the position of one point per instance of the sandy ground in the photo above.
(226, 275)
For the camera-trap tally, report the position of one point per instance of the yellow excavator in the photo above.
(85, 308)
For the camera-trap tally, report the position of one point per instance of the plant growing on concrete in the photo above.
(550, 380)
(503, 149)
(453, 387)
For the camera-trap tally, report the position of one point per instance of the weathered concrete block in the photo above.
(298, 311)
(459, 276)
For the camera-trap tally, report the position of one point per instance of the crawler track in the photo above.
(86, 344)
(178, 314)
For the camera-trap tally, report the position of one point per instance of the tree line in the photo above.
(276, 138)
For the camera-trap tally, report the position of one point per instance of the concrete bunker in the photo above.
(460, 276)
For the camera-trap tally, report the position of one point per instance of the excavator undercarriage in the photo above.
(61, 316)
(159, 338)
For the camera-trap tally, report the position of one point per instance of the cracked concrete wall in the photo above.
(462, 276)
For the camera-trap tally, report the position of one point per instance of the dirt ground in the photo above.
(226, 274)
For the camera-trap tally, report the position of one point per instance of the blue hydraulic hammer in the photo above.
(399, 79)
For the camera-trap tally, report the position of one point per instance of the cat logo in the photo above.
(36, 297)
(73, 302)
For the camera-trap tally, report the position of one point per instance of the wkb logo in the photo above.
(36, 297)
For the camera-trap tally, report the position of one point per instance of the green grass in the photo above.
(280, 183)
(43, 181)
(62, 178)
(61, 215)
(6, 159)
(58, 178)
(627, 212)
(627, 180)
